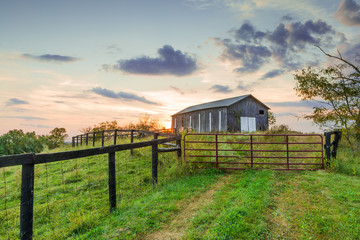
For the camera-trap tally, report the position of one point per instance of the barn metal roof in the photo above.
(216, 104)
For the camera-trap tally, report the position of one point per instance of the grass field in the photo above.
(71, 201)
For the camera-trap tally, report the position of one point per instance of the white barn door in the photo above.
(248, 124)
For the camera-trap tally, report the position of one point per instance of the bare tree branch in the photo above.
(339, 58)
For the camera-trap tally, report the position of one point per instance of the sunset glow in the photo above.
(72, 65)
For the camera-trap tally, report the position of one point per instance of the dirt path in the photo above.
(176, 228)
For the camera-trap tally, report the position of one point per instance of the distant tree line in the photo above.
(145, 123)
(17, 142)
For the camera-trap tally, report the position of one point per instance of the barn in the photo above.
(238, 114)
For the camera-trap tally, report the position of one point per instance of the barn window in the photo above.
(190, 122)
(175, 123)
(261, 112)
(209, 121)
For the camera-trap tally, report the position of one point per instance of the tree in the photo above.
(337, 90)
(16, 142)
(271, 118)
(57, 137)
(107, 125)
(146, 122)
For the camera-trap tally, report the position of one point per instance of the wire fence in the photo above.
(60, 195)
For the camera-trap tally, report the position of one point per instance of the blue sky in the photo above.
(74, 64)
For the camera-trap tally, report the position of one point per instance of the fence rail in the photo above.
(114, 134)
(224, 151)
(28, 162)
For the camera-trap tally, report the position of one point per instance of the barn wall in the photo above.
(183, 120)
(249, 107)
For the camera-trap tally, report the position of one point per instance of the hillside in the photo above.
(71, 201)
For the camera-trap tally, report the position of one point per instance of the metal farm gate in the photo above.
(257, 151)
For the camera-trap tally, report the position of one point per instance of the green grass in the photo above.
(71, 200)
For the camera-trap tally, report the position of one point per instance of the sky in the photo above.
(74, 64)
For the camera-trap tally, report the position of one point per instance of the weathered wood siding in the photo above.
(205, 124)
(230, 117)
(249, 107)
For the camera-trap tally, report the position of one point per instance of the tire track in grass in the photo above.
(177, 227)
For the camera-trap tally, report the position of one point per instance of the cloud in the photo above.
(348, 13)
(352, 51)
(220, 89)
(273, 73)
(51, 58)
(169, 62)
(24, 117)
(121, 95)
(309, 104)
(15, 101)
(178, 90)
(250, 49)
(251, 57)
(248, 33)
(308, 33)
(36, 126)
(287, 18)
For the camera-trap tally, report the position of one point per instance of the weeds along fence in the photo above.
(58, 195)
(257, 151)
(107, 135)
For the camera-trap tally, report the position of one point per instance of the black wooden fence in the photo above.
(92, 137)
(28, 162)
(331, 146)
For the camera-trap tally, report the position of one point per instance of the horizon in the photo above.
(73, 65)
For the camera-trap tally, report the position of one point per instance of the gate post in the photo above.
(217, 153)
(178, 143)
(287, 151)
(251, 151)
(328, 147)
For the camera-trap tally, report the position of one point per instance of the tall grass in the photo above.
(71, 197)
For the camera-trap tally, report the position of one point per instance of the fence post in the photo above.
(94, 139)
(131, 140)
(287, 151)
(27, 202)
(251, 151)
(178, 143)
(217, 153)
(155, 160)
(328, 146)
(77, 141)
(115, 136)
(73, 141)
(87, 139)
(337, 138)
(102, 137)
(81, 138)
(112, 182)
